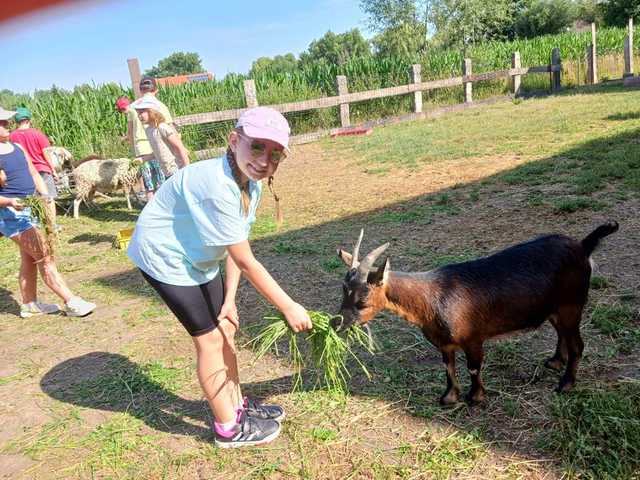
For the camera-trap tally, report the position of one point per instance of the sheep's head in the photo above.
(362, 287)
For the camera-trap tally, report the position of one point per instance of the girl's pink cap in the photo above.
(122, 103)
(267, 123)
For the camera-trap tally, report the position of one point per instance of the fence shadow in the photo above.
(92, 238)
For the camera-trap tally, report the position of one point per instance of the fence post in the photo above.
(592, 58)
(134, 72)
(555, 75)
(416, 77)
(344, 107)
(468, 86)
(628, 51)
(250, 95)
(517, 79)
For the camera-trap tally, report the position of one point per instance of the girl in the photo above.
(198, 217)
(166, 144)
(22, 180)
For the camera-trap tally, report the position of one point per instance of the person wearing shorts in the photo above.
(22, 180)
(34, 142)
(200, 217)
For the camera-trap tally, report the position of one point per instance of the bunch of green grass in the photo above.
(41, 214)
(329, 351)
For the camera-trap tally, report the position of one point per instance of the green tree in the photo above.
(542, 17)
(336, 49)
(617, 12)
(401, 26)
(460, 23)
(179, 63)
(278, 64)
(589, 11)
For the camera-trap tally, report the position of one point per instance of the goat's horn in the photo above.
(356, 250)
(370, 259)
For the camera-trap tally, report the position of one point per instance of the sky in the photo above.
(90, 42)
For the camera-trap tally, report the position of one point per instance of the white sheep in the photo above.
(60, 157)
(103, 176)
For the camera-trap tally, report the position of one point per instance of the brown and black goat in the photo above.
(459, 306)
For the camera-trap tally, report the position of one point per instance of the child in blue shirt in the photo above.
(200, 217)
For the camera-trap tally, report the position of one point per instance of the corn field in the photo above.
(84, 120)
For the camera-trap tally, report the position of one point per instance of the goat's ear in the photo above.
(381, 275)
(345, 257)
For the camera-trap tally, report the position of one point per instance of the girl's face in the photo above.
(143, 115)
(257, 158)
(4, 130)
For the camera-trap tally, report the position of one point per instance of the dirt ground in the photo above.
(327, 199)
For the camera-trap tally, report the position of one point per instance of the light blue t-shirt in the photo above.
(181, 235)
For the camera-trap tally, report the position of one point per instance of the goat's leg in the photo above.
(561, 356)
(474, 356)
(76, 207)
(569, 325)
(452, 393)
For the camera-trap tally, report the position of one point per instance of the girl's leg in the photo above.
(217, 371)
(28, 275)
(32, 243)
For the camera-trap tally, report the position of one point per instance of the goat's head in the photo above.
(363, 288)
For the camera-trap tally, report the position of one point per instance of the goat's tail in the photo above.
(591, 241)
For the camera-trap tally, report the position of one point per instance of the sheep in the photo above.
(60, 157)
(103, 176)
(459, 306)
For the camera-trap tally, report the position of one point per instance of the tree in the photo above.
(617, 12)
(278, 64)
(401, 25)
(542, 17)
(336, 49)
(460, 23)
(589, 11)
(179, 63)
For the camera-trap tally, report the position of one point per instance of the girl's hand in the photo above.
(16, 204)
(230, 312)
(298, 318)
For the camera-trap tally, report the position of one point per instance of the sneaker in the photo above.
(77, 307)
(263, 411)
(251, 432)
(36, 308)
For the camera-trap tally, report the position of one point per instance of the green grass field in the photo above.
(115, 395)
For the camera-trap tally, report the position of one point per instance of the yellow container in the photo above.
(122, 238)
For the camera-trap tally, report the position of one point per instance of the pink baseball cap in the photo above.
(122, 103)
(265, 122)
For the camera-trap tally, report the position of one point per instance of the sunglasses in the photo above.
(258, 149)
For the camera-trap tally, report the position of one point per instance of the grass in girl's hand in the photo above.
(329, 351)
(40, 213)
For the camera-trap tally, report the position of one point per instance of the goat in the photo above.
(459, 306)
(103, 176)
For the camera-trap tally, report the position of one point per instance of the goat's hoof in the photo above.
(449, 398)
(564, 386)
(554, 364)
(475, 398)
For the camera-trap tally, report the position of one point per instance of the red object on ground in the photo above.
(353, 131)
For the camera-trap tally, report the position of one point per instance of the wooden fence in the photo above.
(344, 98)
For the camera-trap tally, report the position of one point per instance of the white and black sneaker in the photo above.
(251, 432)
(263, 411)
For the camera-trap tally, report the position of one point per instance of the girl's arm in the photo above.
(37, 179)
(178, 149)
(11, 202)
(231, 281)
(296, 315)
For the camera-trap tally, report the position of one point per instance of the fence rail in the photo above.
(346, 98)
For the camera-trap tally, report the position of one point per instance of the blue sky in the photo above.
(91, 41)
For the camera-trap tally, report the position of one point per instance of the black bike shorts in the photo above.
(197, 306)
